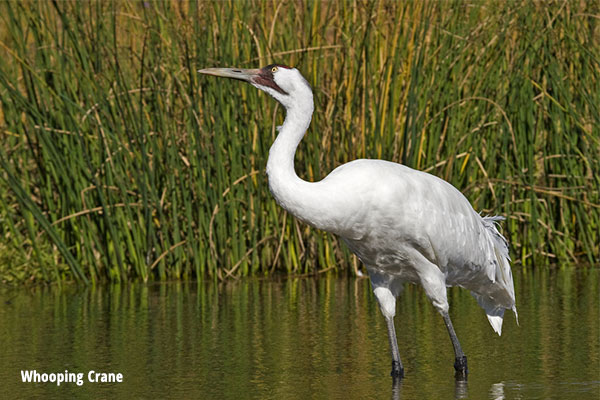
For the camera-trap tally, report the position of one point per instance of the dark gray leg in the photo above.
(460, 362)
(397, 368)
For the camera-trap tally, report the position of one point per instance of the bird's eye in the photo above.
(274, 69)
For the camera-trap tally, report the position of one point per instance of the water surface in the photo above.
(298, 339)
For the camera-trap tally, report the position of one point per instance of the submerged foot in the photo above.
(460, 366)
(397, 370)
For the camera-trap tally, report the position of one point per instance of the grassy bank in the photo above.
(120, 162)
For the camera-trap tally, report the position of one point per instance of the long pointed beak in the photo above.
(235, 73)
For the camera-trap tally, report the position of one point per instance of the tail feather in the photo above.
(494, 313)
(496, 322)
(495, 305)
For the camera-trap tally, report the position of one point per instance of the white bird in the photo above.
(404, 225)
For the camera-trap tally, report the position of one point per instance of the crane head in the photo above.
(285, 84)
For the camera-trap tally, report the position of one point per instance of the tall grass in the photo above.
(119, 162)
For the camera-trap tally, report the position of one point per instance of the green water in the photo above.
(298, 339)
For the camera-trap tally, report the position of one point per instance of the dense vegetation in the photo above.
(119, 162)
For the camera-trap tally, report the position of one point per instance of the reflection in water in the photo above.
(497, 391)
(460, 389)
(396, 388)
(300, 338)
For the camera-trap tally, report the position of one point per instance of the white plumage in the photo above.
(404, 225)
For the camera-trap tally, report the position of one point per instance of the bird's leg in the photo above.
(433, 281)
(397, 367)
(387, 304)
(460, 362)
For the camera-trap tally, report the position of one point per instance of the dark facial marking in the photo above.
(265, 78)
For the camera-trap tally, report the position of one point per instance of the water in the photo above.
(298, 339)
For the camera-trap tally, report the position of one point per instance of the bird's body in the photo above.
(404, 225)
(388, 213)
(396, 211)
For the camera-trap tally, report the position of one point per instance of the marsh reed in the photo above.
(120, 162)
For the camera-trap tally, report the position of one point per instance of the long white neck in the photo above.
(280, 166)
(301, 198)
